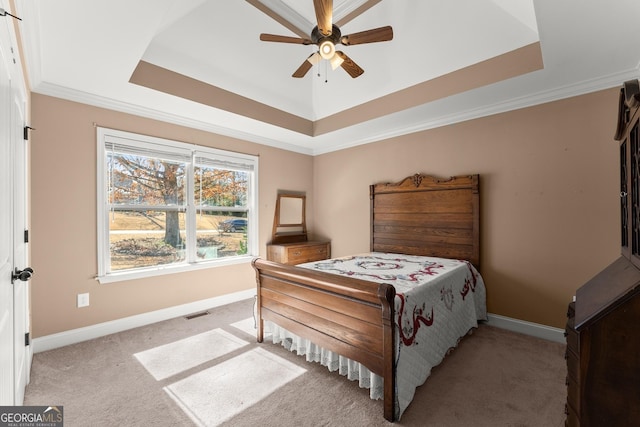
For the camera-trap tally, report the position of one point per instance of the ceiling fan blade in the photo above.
(324, 15)
(283, 39)
(381, 34)
(349, 66)
(306, 65)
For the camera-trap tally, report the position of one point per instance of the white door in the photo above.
(22, 352)
(15, 356)
(7, 389)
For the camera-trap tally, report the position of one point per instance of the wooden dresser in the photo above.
(603, 349)
(289, 242)
(300, 252)
(603, 323)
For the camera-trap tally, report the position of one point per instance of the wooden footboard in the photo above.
(351, 317)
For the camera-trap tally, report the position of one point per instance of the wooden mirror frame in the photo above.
(286, 227)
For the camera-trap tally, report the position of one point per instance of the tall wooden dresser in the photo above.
(603, 323)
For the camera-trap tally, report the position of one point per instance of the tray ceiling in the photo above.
(200, 63)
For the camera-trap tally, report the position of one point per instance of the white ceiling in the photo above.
(87, 50)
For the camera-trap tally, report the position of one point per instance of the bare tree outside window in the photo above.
(150, 182)
(180, 205)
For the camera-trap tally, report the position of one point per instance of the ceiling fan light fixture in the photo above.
(336, 61)
(326, 35)
(314, 58)
(327, 49)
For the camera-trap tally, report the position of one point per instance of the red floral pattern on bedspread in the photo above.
(409, 326)
(437, 302)
(405, 273)
(367, 265)
(469, 283)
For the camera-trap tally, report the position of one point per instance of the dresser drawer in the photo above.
(298, 253)
(308, 253)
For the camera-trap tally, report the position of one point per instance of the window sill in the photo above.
(171, 269)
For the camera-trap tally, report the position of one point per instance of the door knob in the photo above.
(23, 275)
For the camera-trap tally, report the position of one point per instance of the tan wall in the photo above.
(64, 245)
(549, 196)
(549, 205)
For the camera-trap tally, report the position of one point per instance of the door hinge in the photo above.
(27, 339)
(26, 132)
(26, 236)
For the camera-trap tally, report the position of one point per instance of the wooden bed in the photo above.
(420, 215)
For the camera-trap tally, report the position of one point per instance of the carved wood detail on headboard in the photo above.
(427, 215)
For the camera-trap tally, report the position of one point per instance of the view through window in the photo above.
(170, 204)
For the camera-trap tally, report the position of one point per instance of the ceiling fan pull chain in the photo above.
(326, 72)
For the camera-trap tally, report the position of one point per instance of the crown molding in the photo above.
(150, 113)
(542, 97)
(561, 92)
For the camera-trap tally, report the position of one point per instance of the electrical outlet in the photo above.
(83, 300)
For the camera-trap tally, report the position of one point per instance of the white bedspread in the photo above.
(438, 301)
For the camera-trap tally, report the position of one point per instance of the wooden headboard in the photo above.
(425, 215)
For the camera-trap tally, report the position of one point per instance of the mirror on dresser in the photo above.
(289, 241)
(289, 223)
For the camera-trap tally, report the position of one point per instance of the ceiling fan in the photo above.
(326, 35)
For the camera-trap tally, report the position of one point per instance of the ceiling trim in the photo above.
(279, 18)
(511, 64)
(562, 92)
(167, 81)
(81, 97)
(502, 67)
(356, 12)
(555, 94)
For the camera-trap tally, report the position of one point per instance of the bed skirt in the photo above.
(351, 369)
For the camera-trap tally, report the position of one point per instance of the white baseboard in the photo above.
(73, 336)
(527, 328)
(49, 342)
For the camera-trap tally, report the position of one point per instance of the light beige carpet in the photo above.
(170, 359)
(219, 393)
(210, 371)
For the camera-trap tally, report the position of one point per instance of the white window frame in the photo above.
(106, 135)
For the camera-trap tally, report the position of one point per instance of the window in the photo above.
(166, 206)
